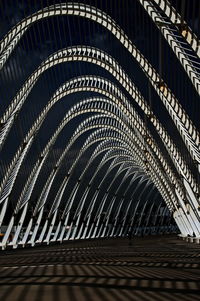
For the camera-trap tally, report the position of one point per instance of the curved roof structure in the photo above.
(99, 118)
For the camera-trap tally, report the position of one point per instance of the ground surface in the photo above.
(152, 268)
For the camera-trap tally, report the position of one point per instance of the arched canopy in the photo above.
(96, 120)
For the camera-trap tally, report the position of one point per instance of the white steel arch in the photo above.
(118, 131)
(184, 125)
(61, 94)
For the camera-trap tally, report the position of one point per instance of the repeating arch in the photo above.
(84, 53)
(64, 90)
(182, 122)
(42, 234)
(123, 134)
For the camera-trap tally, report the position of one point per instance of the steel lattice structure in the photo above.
(135, 163)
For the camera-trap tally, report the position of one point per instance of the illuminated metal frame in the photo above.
(117, 115)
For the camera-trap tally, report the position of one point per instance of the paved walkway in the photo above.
(151, 269)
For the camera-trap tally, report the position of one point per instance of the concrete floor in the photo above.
(161, 268)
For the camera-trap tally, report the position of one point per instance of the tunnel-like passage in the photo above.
(99, 120)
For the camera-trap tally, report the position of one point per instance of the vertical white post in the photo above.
(51, 228)
(28, 229)
(43, 232)
(83, 200)
(32, 239)
(69, 231)
(19, 226)
(3, 211)
(108, 216)
(93, 201)
(7, 234)
(64, 227)
(57, 232)
(99, 215)
(116, 217)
